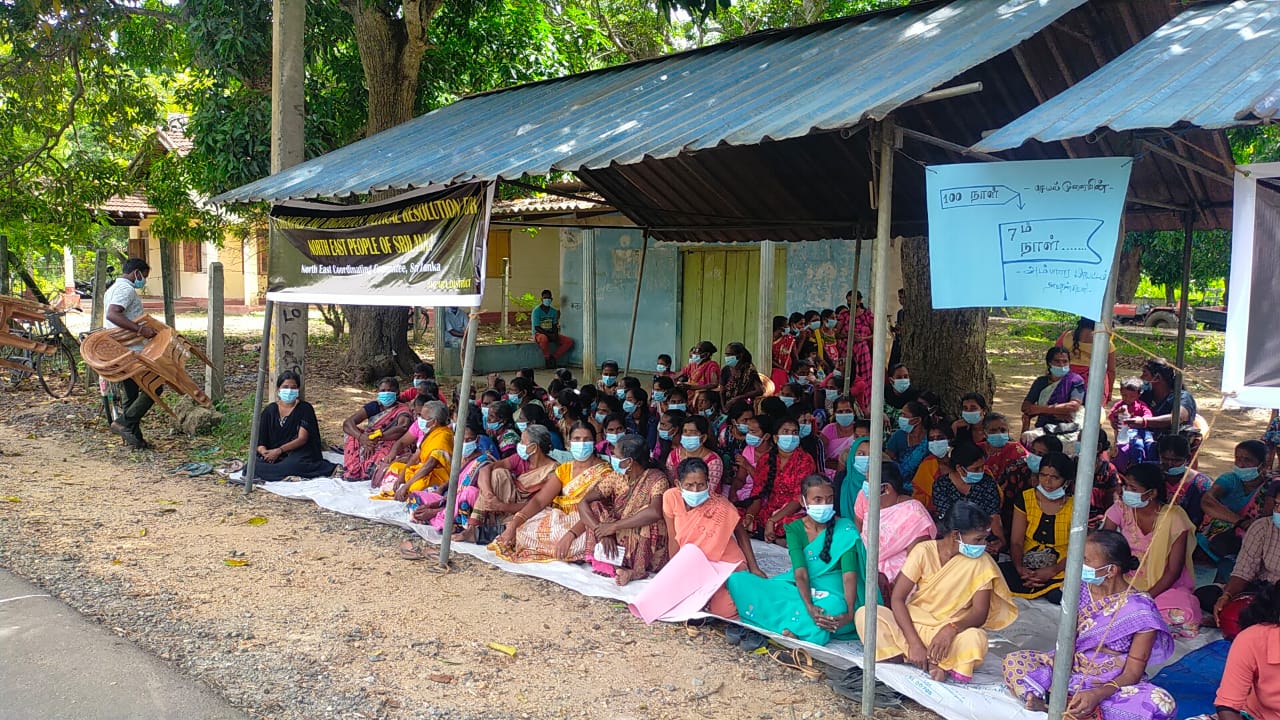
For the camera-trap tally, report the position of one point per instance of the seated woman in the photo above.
(839, 435)
(548, 526)
(1055, 398)
(623, 512)
(857, 462)
(1040, 531)
(667, 434)
(534, 415)
(663, 367)
(730, 443)
(739, 380)
(289, 436)
(1001, 452)
(936, 464)
(709, 406)
(777, 474)
(1165, 535)
(815, 601)
(694, 436)
(702, 373)
(662, 386)
(967, 480)
(949, 593)
(430, 468)
(1118, 634)
(501, 427)
(904, 523)
(1021, 476)
(614, 427)
(1222, 527)
(898, 392)
(973, 410)
(908, 445)
(1250, 684)
(372, 431)
(430, 506)
(508, 485)
(696, 516)
(522, 391)
(1258, 565)
(635, 405)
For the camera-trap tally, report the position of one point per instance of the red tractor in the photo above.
(1156, 316)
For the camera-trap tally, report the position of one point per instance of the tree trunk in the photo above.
(1169, 298)
(1130, 275)
(946, 350)
(391, 50)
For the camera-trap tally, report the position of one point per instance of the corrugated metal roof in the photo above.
(1214, 66)
(770, 86)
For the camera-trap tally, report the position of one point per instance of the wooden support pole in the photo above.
(168, 282)
(1184, 309)
(251, 465)
(765, 309)
(288, 339)
(590, 368)
(215, 346)
(100, 280)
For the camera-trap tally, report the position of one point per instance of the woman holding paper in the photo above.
(623, 513)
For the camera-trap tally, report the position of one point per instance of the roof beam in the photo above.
(1189, 165)
(947, 145)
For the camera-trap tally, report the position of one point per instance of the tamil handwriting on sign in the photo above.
(1040, 234)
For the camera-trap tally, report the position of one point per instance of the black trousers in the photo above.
(136, 405)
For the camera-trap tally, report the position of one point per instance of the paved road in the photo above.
(57, 665)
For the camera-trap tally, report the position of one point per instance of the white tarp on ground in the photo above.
(983, 699)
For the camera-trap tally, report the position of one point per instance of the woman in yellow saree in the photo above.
(949, 593)
(432, 462)
(549, 527)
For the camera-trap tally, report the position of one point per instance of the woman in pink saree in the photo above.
(372, 432)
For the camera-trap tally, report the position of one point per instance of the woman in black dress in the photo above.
(290, 436)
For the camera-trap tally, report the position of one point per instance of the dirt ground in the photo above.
(314, 615)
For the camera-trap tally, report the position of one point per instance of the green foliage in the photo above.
(1256, 144)
(1162, 256)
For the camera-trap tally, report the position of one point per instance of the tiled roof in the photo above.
(173, 135)
(132, 205)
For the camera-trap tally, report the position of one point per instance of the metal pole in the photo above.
(464, 405)
(1184, 309)
(871, 526)
(764, 309)
(590, 368)
(853, 306)
(263, 355)
(1088, 460)
(635, 303)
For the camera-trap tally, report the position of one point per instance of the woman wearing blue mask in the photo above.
(708, 405)
(1040, 531)
(695, 440)
(1234, 491)
(949, 593)
(968, 481)
(739, 379)
(857, 461)
(935, 465)
(815, 601)
(702, 373)
(839, 435)
(968, 427)
(662, 387)
(428, 469)
(898, 391)
(623, 513)
(289, 436)
(373, 430)
(666, 434)
(1002, 450)
(430, 509)
(1165, 537)
(535, 415)
(904, 523)
(1055, 398)
(1021, 475)
(731, 443)
(546, 525)
(779, 468)
(500, 424)
(908, 445)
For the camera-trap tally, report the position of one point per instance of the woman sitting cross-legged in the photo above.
(776, 475)
(1119, 633)
(623, 512)
(816, 600)
(430, 506)
(949, 593)
(1040, 531)
(509, 484)
(289, 436)
(548, 526)
(428, 470)
(904, 523)
(372, 432)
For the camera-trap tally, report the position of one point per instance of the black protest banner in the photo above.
(422, 249)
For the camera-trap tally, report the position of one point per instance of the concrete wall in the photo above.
(818, 272)
(234, 255)
(535, 266)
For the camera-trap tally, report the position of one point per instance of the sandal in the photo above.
(409, 552)
(797, 659)
(849, 685)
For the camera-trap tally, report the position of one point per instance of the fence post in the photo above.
(215, 346)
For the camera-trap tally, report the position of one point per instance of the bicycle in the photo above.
(56, 369)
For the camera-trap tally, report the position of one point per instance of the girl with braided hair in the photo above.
(777, 474)
(817, 599)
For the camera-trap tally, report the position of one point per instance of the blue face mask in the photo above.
(386, 399)
(1146, 387)
(1176, 471)
(973, 478)
(786, 400)
(1275, 519)
(678, 406)
(521, 425)
(469, 447)
(998, 440)
(1052, 494)
(690, 442)
(831, 394)
(138, 283)
(901, 385)
(620, 393)
(616, 463)
(288, 395)
(580, 449)
(628, 407)
(973, 552)
(420, 384)
(694, 499)
(754, 440)
(741, 427)
(600, 417)
(661, 367)
(492, 426)
(803, 379)
(693, 359)
(609, 380)
(612, 438)
(558, 412)
(546, 302)
(905, 425)
(862, 463)
(806, 429)
(831, 323)
(422, 424)
(938, 448)
(1033, 462)
(844, 419)
(664, 434)
(788, 443)
(1091, 576)
(523, 451)
(659, 396)
(821, 513)
(709, 412)
(1246, 474)
(1133, 499)
(1059, 370)
(731, 360)
(513, 399)
(972, 417)
(814, 325)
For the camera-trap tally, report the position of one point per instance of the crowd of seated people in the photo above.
(623, 478)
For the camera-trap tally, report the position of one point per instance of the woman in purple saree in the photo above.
(1119, 632)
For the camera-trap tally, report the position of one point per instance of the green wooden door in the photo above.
(719, 301)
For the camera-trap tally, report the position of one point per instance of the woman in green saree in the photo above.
(810, 602)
